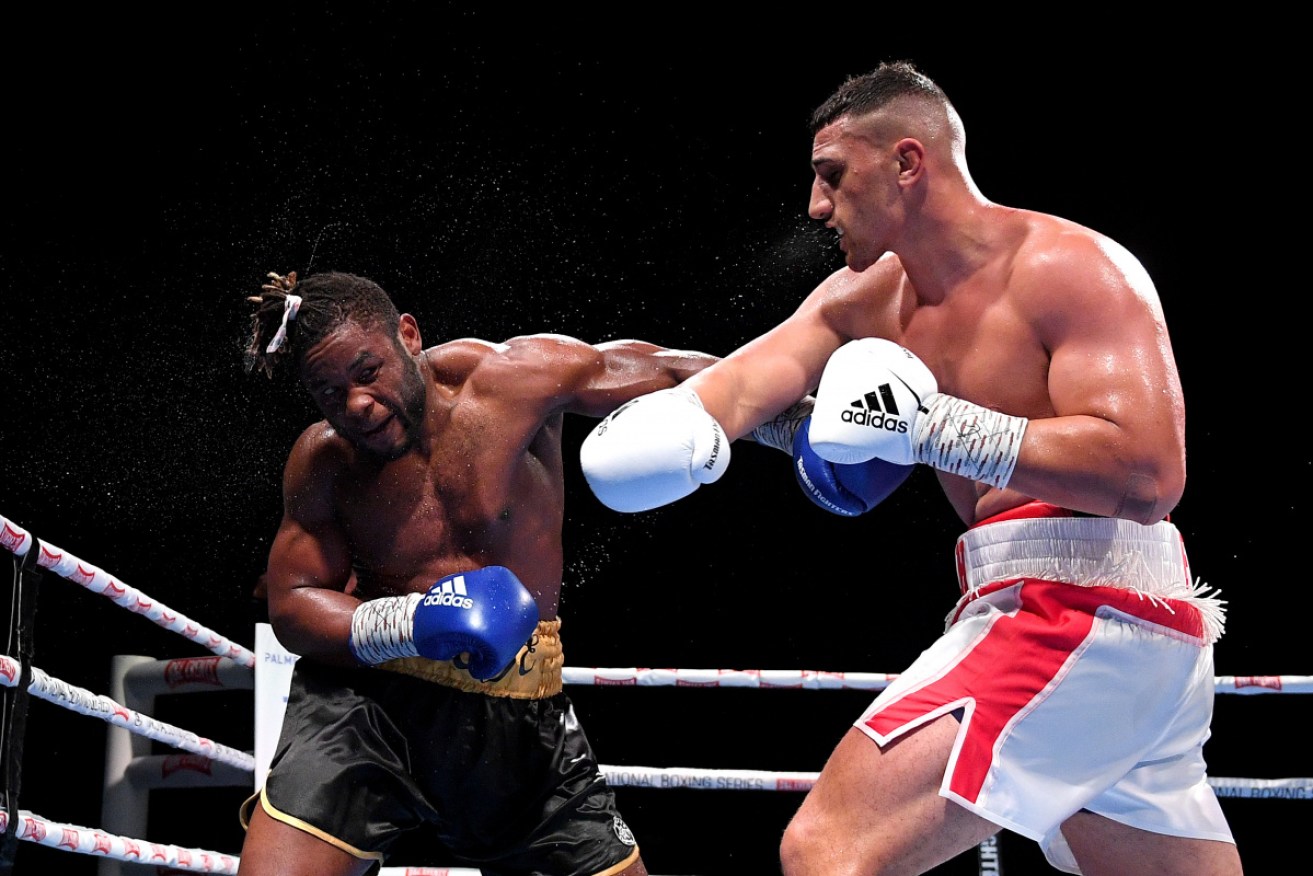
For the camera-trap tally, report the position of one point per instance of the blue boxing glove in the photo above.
(847, 490)
(480, 619)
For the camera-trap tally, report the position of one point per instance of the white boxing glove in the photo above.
(653, 450)
(877, 399)
(871, 392)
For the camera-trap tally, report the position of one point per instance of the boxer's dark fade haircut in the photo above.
(328, 300)
(866, 93)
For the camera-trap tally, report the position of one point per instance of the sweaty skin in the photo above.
(481, 483)
(428, 462)
(1011, 309)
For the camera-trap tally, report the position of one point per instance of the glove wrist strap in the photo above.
(779, 432)
(963, 438)
(384, 629)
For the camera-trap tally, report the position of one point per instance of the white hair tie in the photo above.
(291, 304)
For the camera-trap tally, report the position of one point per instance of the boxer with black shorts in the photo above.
(1026, 359)
(427, 700)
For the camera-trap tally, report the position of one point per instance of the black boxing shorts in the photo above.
(499, 774)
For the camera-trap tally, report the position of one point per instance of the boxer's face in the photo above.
(368, 386)
(853, 189)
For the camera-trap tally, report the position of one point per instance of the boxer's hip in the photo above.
(1144, 569)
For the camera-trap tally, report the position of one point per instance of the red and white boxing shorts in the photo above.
(1081, 656)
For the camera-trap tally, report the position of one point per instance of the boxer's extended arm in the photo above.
(551, 372)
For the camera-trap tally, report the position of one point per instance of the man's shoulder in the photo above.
(1064, 267)
(319, 448)
(1054, 242)
(454, 360)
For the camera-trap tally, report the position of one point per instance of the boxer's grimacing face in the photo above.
(368, 386)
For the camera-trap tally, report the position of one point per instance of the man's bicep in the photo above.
(1114, 360)
(309, 549)
(303, 558)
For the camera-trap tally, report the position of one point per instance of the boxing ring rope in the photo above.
(238, 663)
(811, 679)
(18, 541)
(84, 702)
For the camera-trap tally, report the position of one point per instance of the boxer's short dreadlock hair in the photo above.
(327, 300)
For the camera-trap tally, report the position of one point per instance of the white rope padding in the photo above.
(106, 709)
(18, 541)
(763, 780)
(811, 679)
(93, 841)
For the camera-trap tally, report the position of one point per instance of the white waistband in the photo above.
(1087, 551)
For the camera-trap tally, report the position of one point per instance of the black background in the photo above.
(639, 173)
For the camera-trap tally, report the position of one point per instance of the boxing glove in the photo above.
(480, 619)
(846, 490)
(876, 399)
(870, 395)
(653, 450)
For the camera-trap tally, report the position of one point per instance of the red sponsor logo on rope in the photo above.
(679, 682)
(11, 538)
(69, 839)
(190, 631)
(113, 588)
(100, 843)
(122, 713)
(33, 829)
(228, 863)
(143, 605)
(192, 670)
(1268, 681)
(792, 784)
(616, 682)
(50, 557)
(158, 851)
(83, 575)
(7, 670)
(215, 641)
(194, 762)
(184, 858)
(131, 849)
(169, 619)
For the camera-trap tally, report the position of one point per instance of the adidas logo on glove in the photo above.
(451, 593)
(876, 409)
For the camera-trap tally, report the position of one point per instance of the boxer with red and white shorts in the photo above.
(1066, 623)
